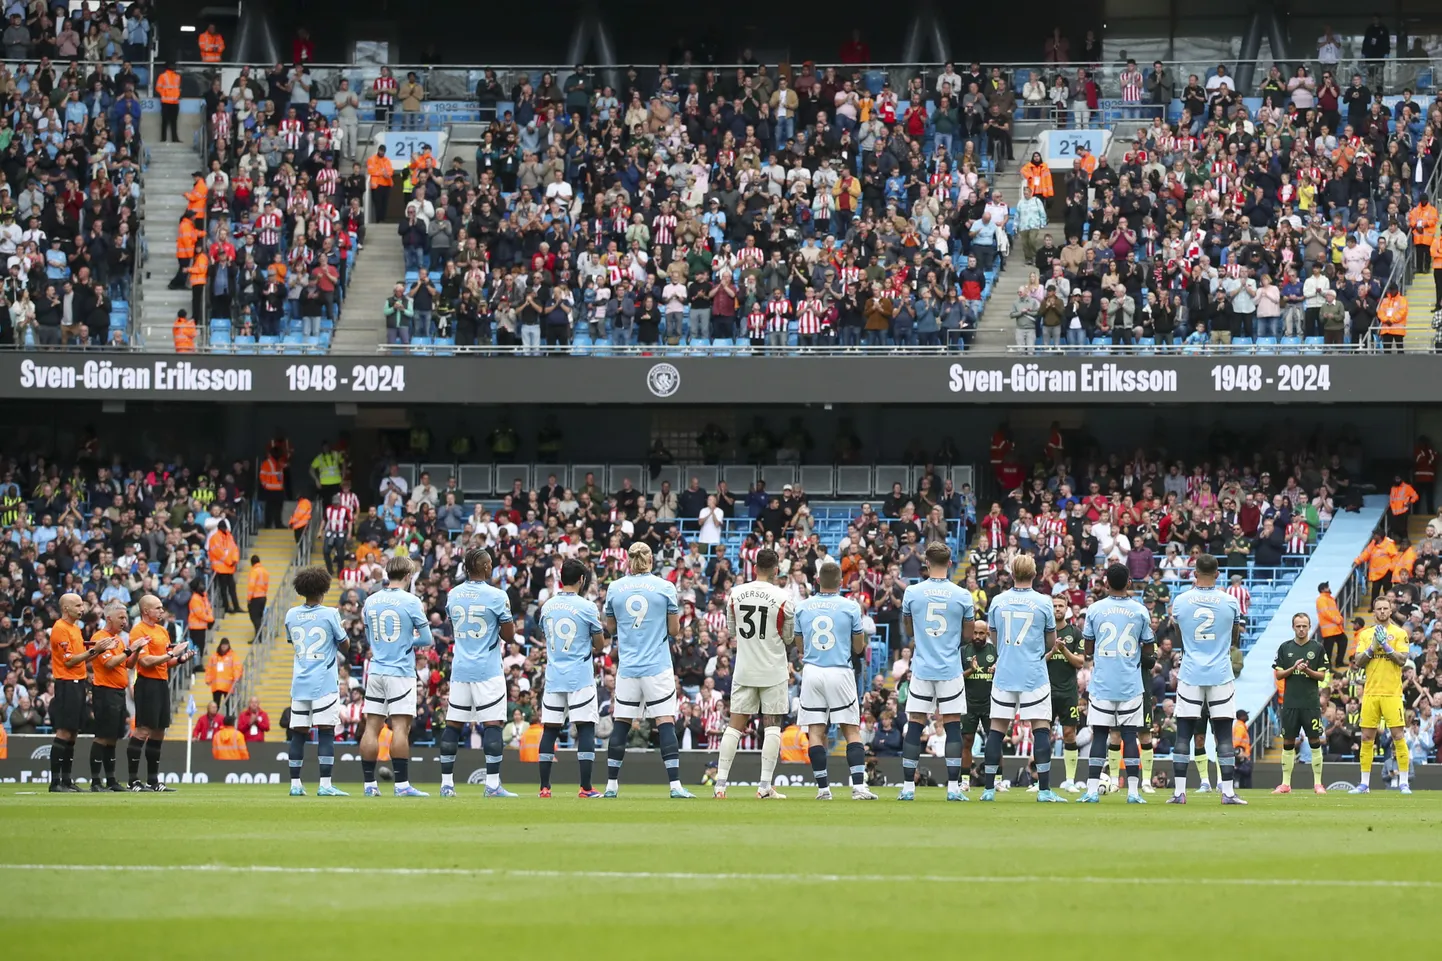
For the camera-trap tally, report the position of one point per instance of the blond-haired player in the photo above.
(1382, 651)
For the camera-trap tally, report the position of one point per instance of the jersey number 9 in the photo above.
(637, 606)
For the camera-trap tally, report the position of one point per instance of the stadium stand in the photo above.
(73, 162)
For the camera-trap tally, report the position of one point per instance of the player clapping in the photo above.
(395, 626)
(1300, 664)
(1118, 630)
(316, 634)
(571, 631)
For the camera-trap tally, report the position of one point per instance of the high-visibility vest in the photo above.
(384, 754)
(1404, 561)
(1423, 219)
(424, 161)
(195, 198)
(167, 87)
(272, 477)
(4, 744)
(1329, 616)
(1437, 251)
(1378, 557)
(1038, 178)
(200, 615)
(183, 333)
(300, 517)
(258, 583)
(382, 174)
(222, 671)
(229, 745)
(224, 554)
(185, 240)
(1425, 460)
(328, 467)
(793, 745)
(199, 268)
(212, 45)
(1392, 315)
(1401, 499)
(531, 744)
(1241, 738)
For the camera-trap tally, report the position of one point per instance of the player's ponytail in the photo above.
(639, 558)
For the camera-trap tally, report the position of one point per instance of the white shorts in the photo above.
(476, 702)
(828, 696)
(1115, 714)
(321, 712)
(579, 705)
(1033, 705)
(652, 696)
(936, 697)
(1217, 698)
(760, 700)
(390, 696)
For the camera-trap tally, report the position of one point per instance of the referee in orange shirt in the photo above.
(68, 657)
(152, 692)
(107, 695)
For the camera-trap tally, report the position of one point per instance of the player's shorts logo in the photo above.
(663, 380)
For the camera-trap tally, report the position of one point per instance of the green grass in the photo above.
(806, 880)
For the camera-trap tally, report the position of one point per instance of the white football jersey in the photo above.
(762, 619)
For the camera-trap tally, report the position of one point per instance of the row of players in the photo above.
(641, 614)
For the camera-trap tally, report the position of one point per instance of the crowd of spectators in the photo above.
(70, 170)
(107, 529)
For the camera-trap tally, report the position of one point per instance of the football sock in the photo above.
(1114, 760)
(910, 752)
(1071, 758)
(368, 773)
(1132, 759)
(856, 761)
(133, 749)
(1181, 762)
(494, 747)
(585, 751)
(1317, 766)
(953, 755)
(1404, 761)
(817, 753)
(57, 761)
(671, 752)
(1147, 764)
(1289, 757)
(730, 741)
(152, 760)
(325, 754)
(451, 746)
(992, 758)
(770, 753)
(548, 754)
(297, 756)
(1041, 753)
(1096, 760)
(402, 766)
(616, 753)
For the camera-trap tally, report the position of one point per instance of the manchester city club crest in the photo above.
(663, 380)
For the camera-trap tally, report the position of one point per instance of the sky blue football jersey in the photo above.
(568, 622)
(395, 626)
(477, 610)
(1119, 626)
(640, 603)
(1020, 618)
(316, 634)
(1205, 616)
(825, 624)
(941, 614)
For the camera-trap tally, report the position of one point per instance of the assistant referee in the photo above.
(107, 695)
(68, 657)
(152, 692)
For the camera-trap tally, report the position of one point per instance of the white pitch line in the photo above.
(717, 876)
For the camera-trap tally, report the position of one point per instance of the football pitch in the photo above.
(221, 872)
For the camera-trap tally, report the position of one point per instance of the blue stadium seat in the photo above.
(268, 339)
(220, 338)
(1241, 341)
(1101, 341)
(701, 342)
(602, 345)
(292, 344)
(1291, 341)
(1314, 341)
(1266, 345)
(245, 344)
(1146, 341)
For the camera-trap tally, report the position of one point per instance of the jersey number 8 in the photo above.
(823, 633)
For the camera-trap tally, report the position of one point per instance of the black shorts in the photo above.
(974, 721)
(67, 709)
(1149, 706)
(1066, 709)
(112, 717)
(152, 703)
(1304, 721)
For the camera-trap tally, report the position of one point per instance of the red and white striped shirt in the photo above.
(851, 274)
(384, 89)
(1131, 81)
(776, 313)
(1298, 533)
(756, 324)
(337, 519)
(748, 562)
(327, 181)
(809, 317)
(750, 258)
(269, 229)
(220, 125)
(1053, 529)
(1243, 596)
(350, 500)
(614, 557)
(715, 621)
(664, 229)
(620, 218)
(351, 577)
(326, 217)
(291, 131)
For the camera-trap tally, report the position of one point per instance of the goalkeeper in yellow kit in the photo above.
(1382, 650)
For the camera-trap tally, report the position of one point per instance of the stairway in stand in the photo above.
(166, 182)
(1421, 298)
(275, 549)
(377, 270)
